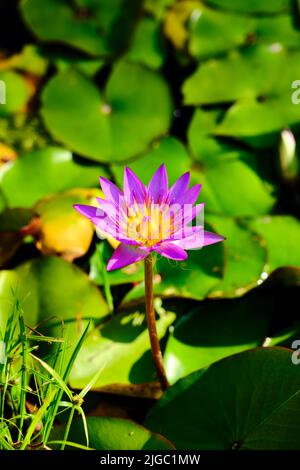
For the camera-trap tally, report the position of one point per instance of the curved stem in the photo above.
(150, 314)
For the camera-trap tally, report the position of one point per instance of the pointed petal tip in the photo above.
(109, 266)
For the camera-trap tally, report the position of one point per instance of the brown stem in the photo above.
(150, 314)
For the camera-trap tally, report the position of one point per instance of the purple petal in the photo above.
(108, 207)
(199, 239)
(134, 190)
(210, 238)
(170, 250)
(158, 186)
(90, 212)
(190, 196)
(179, 187)
(111, 191)
(125, 255)
(103, 222)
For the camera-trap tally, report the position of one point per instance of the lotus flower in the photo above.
(151, 218)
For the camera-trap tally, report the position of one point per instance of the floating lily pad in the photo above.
(247, 401)
(14, 92)
(231, 184)
(245, 258)
(259, 123)
(279, 29)
(85, 65)
(254, 6)
(157, 7)
(115, 128)
(57, 22)
(147, 45)
(213, 32)
(216, 330)
(43, 172)
(193, 278)
(273, 69)
(169, 151)
(61, 229)
(281, 235)
(107, 433)
(115, 21)
(31, 59)
(202, 143)
(121, 348)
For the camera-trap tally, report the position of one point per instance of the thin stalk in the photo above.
(23, 370)
(68, 427)
(151, 321)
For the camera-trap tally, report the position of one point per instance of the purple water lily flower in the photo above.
(149, 218)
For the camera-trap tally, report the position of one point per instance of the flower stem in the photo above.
(150, 314)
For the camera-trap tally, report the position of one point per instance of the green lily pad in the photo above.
(52, 289)
(196, 342)
(281, 235)
(193, 278)
(214, 32)
(238, 81)
(85, 65)
(115, 21)
(121, 348)
(147, 45)
(232, 179)
(107, 433)
(245, 258)
(119, 127)
(231, 184)
(254, 6)
(31, 59)
(44, 172)
(247, 401)
(279, 29)
(14, 93)
(203, 144)
(56, 21)
(169, 151)
(259, 123)
(157, 7)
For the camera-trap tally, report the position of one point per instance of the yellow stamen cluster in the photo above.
(149, 223)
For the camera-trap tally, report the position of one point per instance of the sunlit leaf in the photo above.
(44, 172)
(107, 433)
(121, 348)
(14, 93)
(281, 235)
(117, 127)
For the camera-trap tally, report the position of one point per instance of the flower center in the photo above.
(149, 224)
